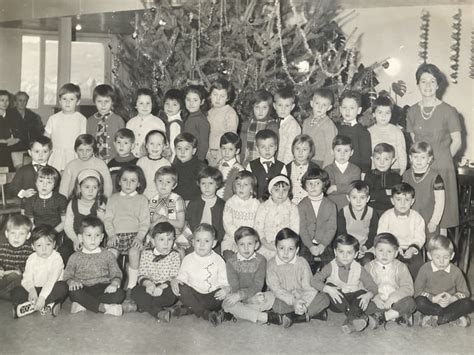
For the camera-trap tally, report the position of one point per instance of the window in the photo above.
(30, 68)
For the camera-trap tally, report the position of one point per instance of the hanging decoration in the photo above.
(471, 67)
(455, 46)
(424, 30)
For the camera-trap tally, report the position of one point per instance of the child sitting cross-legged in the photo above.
(395, 300)
(349, 286)
(44, 268)
(92, 274)
(158, 266)
(289, 277)
(202, 284)
(441, 292)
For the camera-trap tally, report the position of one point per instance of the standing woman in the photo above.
(437, 123)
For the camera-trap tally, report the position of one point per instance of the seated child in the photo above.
(342, 172)
(350, 107)
(187, 166)
(441, 292)
(44, 268)
(246, 272)
(266, 167)
(320, 127)
(359, 220)
(395, 300)
(173, 106)
(92, 273)
(208, 208)
(288, 277)
(239, 210)
(289, 127)
(201, 284)
(382, 178)
(196, 122)
(124, 141)
(406, 225)
(385, 132)
(14, 253)
(276, 213)
(158, 266)
(229, 166)
(349, 286)
(318, 219)
(303, 151)
(86, 148)
(428, 185)
(104, 124)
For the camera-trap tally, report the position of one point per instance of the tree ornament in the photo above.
(251, 20)
(135, 35)
(424, 31)
(456, 46)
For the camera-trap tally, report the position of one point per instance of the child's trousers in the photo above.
(91, 296)
(153, 304)
(200, 303)
(414, 264)
(251, 308)
(447, 314)
(57, 295)
(350, 305)
(404, 307)
(319, 303)
(7, 283)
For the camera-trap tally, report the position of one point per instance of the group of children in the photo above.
(224, 225)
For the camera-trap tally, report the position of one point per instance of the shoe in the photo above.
(76, 308)
(354, 325)
(128, 307)
(113, 309)
(463, 321)
(323, 316)
(229, 317)
(290, 318)
(23, 309)
(47, 309)
(164, 316)
(56, 309)
(425, 321)
(434, 322)
(216, 317)
(274, 318)
(405, 321)
(377, 319)
(180, 310)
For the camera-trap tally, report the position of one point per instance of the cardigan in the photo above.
(380, 187)
(194, 215)
(343, 182)
(113, 123)
(363, 229)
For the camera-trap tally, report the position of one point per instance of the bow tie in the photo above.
(225, 164)
(161, 257)
(344, 123)
(103, 116)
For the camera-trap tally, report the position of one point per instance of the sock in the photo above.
(132, 277)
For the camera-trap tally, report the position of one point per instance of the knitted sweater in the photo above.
(149, 167)
(221, 120)
(187, 187)
(343, 182)
(363, 229)
(323, 132)
(361, 143)
(392, 135)
(238, 213)
(158, 271)
(289, 129)
(199, 127)
(12, 258)
(409, 230)
(246, 276)
(393, 280)
(140, 127)
(380, 187)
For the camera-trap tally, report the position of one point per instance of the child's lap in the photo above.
(124, 242)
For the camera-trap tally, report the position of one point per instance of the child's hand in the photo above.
(32, 295)
(316, 250)
(159, 290)
(365, 299)
(112, 288)
(39, 304)
(334, 293)
(259, 298)
(300, 307)
(137, 243)
(232, 299)
(112, 241)
(222, 293)
(175, 287)
(331, 189)
(77, 245)
(408, 254)
(389, 302)
(28, 193)
(150, 288)
(75, 285)
(432, 227)
(379, 303)
(442, 299)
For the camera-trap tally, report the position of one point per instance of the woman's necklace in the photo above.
(427, 114)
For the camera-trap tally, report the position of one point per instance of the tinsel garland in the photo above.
(455, 46)
(425, 26)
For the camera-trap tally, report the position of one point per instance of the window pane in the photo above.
(30, 62)
(50, 72)
(87, 66)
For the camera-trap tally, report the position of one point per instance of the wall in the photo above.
(10, 59)
(394, 32)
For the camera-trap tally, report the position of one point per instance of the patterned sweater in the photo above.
(12, 258)
(246, 276)
(158, 271)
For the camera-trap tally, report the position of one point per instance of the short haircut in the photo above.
(346, 239)
(196, 89)
(86, 139)
(403, 189)
(167, 170)
(125, 133)
(430, 69)
(175, 94)
(266, 134)
(132, 169)
(316, 174)
(324, 93)
(231, 137)
(18, 221)
(104, 90)
(153, 132)
(285, 93)
(354, 95)
(386, 238)
(384, 148)
(304, 138)
(5, 93)
(382, 101)
(223, 84)
(70, 88)
(163, 227)
(44, 231)
(186, 137)
(91, 221)
(205, 227)
(145, 92)
(261, 95)
(22, 93)
(440, 242)
(210, 172)
(359, 186)
(341, 140)
(49, 172)
(42, 140)
(421, 147)
(244, 174)
(245, 231)
(288, 233)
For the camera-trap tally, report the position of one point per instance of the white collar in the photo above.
(241, 258)
(434, 268)
(36, 163)
(341, 167)
(272, 160)
(175, 117)
(45, 197)
(351, 123)
(134, 193)
(230, 162)
(281, 262)
(157, 253)
(95, 251)
(384, 266)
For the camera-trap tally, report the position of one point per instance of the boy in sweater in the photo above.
(124, 141)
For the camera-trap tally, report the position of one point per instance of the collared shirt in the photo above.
(265, 162)
(95, 251)
(134, 193)
(350, 123)
(226, 166)
(45, 197)
(242, 258)
(447, 269)
(342, 167)
(281, 262)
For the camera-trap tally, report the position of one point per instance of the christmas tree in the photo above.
(253, 44)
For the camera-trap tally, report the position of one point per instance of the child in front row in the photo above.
(201, 284)
(92, 274)
(44, 268)
(441, 292)
(246, 272)
(158, 266)
(395, 300)
(124, 141)
(230, 145)
(349, 286)
(289, 277)
(342, 172)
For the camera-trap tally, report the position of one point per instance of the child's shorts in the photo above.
(124, 242)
